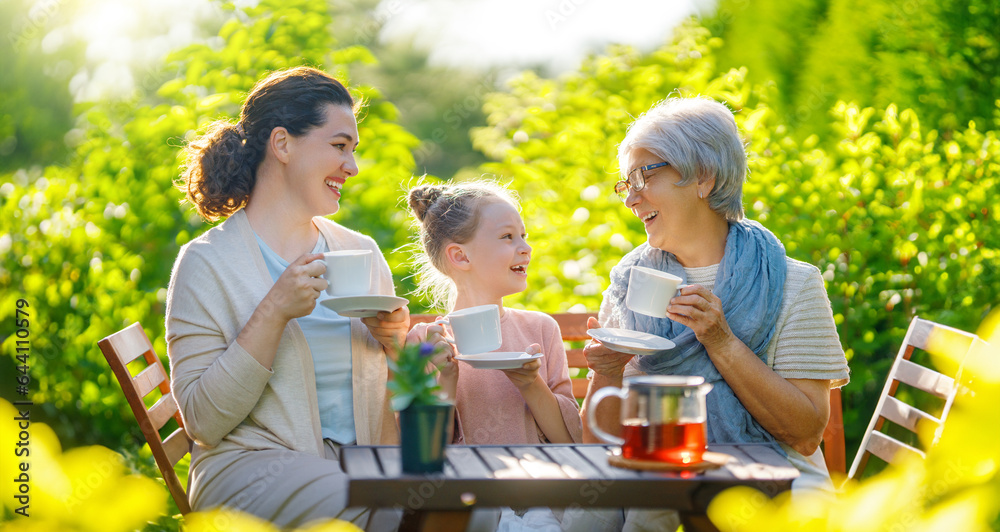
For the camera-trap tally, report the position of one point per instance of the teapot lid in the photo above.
(664, 380)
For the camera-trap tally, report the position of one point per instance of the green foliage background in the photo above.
(874, 155)
(941, 58)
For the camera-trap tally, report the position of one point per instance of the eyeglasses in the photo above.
(636, 180)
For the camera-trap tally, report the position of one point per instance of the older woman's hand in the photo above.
(700, 310)
(601, 359)
(390, 329)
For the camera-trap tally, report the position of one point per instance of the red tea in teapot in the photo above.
(662, 418)
(678, 443)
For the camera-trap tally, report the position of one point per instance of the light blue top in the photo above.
(329, 338)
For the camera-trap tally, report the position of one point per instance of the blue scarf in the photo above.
(750, 282)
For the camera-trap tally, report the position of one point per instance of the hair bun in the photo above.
(422, 197)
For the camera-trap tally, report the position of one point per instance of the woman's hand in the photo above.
(292, 296)
(294, 293)
(444, 360)
(527, 374)
(390, 329)
(699, 309)
(795, 411)
(603, 360)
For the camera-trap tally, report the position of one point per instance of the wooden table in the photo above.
(562, 476)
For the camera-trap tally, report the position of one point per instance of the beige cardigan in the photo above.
(227, 399)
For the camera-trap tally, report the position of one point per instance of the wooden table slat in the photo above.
(597, 456)
(501, 462)
(537, 463)
(573, 463)
(769, 462)
(466, 462)
(560, 476)
(391, 460)
(360, 462)
(738, 467)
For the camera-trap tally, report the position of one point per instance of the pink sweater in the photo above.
(490, 409)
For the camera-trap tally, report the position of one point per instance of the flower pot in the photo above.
(424, 433)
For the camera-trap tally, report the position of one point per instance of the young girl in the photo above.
(474, 253)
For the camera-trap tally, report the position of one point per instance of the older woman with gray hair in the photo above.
(752, 321)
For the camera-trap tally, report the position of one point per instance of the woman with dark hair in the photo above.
(270, 385)
(752, 321)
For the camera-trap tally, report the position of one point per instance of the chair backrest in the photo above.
(120, 349)
(930, 337)
(574, 329)
(834, 447)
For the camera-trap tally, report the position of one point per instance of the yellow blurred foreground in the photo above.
(956, 488)
(91, 489)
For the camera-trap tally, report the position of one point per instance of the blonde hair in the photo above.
(448, 213)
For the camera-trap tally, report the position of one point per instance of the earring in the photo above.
(701, 195)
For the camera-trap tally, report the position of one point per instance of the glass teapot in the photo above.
(663, 418)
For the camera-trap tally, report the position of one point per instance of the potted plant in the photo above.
(424, 417)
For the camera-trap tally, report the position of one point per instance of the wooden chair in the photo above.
(932, 338)
(574, 329)
(834, 447)
(120, 349)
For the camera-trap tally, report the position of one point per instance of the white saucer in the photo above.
(363, 306)
(631, 342)
(498, 359)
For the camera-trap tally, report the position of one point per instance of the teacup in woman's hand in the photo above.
(650, 291)
(348, 272)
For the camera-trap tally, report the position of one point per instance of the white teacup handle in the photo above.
(676, 293)
(445, 324)
(592, 416)
(323, 276)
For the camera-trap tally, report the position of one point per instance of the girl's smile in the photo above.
(499, 242)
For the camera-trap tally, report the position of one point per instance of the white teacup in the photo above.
(476, 329)
(348, 272)
(649, 291)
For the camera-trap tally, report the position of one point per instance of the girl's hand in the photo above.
(603, 360)
(699, 309)
(527, 374)
(390, 329)
(294, 293)
(444, 360)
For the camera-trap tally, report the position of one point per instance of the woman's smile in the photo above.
(648, 217)
(335, 184)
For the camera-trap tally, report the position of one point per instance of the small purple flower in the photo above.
(426, 349)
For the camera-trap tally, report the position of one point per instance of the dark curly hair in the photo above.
(221, 165)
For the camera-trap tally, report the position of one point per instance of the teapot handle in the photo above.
(592, 416)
